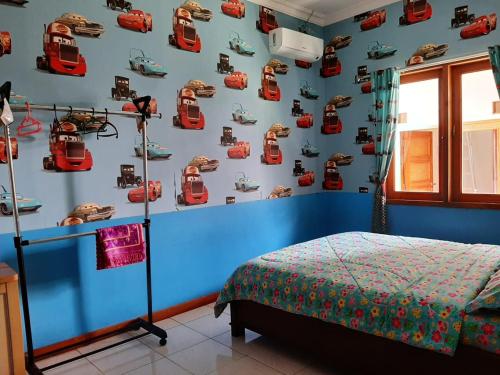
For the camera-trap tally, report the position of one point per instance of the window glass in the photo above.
(480, 134)
(416, 153)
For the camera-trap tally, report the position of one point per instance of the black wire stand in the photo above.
(20, 243)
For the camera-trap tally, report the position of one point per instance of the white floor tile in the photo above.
(210, 326)
(201, 345)
(179, 338)
(237, 343)
(57, 358)
(245, 366)
(193, 314)
(205, 357)
(162, 367)
(167, 323)
(102, 343)
(274, 355)
(124, 358)
(80, 367)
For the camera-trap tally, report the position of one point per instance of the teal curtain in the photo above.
(495, 63)
(385, 88)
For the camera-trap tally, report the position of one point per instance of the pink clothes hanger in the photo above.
(29, 125)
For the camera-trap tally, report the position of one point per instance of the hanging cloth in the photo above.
(495, 64)
(385, 94)
(120, 246)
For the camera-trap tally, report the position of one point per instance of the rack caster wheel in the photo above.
(163, 342)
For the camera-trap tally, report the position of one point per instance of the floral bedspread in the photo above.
(482, 329)
(407, 289)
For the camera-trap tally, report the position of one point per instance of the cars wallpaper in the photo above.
(237, 125)
(204, 67)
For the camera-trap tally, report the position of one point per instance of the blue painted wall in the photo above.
(352, 212)
(193, 253)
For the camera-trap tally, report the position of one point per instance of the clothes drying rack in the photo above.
(20, 243)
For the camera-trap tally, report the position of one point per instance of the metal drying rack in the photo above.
(20, 243)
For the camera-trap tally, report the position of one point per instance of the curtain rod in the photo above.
(38, 107)
(443, 62)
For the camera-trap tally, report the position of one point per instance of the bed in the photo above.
(394, 302)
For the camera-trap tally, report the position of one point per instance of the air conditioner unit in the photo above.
(295, 45)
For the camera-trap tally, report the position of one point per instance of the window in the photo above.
(476, 134)
(447, 146)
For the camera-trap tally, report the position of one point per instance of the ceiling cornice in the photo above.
(358, 7)
(293, 10)
(304, 13)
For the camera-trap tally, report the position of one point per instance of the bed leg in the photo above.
(237, 329)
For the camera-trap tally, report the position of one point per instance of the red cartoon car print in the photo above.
(61, 55)
(270, 89)
(267, 20)
(332, 178)
(3, 149)
(374, 20)
(193, 190)
(240, 150)
(481, 26)
(236, 80)
(415, 11)
(307, 179)
(189, 115)
(184, 33)
(5, 43)
(331, 65)
(136, 20)
(305, 120)
(233, 8)
(154, 192)
(303, 64)
(331, 121)
(272, 153)
(67, 150)
(366, 88)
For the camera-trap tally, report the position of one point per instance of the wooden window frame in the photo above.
(456, 122)
(404, 197)
(450, 142)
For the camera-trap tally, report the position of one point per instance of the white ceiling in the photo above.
(326, 12)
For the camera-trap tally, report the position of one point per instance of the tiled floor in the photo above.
(197, 344)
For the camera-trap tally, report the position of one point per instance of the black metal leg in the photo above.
(153, 329)
(32, 369)
(148, 325)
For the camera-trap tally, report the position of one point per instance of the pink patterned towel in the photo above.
(120, 246)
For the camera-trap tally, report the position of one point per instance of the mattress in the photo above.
(411, 290)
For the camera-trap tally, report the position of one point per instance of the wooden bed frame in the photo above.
(355, 352)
